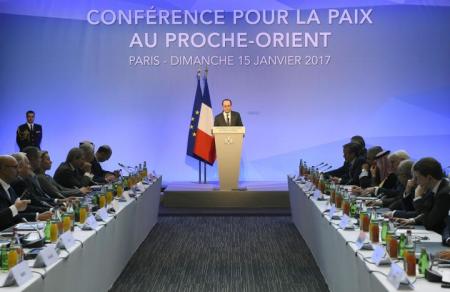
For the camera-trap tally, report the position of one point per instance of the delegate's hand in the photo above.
(45, 216)
(419, 192)
(375, 203)
(366, 166)
(373, 170)
(404, 222)
(87, 167)
(110, 177)
(336, 179)
(85, 190)
(445, 255)
(357, 190)
(389, 214)
(410, 185)
(21, 205)
(368, 191)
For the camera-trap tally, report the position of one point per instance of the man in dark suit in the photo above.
(27, 185)
(50, 186)
(29, 134)
(355, 161)
(227, 118)
(70, 173)
(9, 199)
(343, 171)
(102, 154)
(10, 216)
(432, 195)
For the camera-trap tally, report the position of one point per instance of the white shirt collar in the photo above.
(436, 187)
(4, 185)
(225, 114)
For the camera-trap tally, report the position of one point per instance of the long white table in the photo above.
(95, 262)
(336, 254)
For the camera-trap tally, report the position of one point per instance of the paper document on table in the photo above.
(30, 226)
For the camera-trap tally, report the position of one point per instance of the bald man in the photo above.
(9, 199)
(9, 206)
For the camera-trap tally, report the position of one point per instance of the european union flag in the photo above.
(194, 120)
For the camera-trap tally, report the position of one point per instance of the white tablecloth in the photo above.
(335, 254)
(97, 263)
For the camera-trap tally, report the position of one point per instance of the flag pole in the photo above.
(199, 74)
(199, 171)
(204, 172)
(204, 163)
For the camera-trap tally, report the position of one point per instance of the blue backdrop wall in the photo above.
(388, 81)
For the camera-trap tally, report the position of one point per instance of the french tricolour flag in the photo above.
(204, 146)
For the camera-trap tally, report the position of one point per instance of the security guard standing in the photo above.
(29, 134)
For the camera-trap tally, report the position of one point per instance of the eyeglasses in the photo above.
(12, 166)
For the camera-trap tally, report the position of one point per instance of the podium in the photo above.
(228, 142)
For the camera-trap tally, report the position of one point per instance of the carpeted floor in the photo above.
(206, 253)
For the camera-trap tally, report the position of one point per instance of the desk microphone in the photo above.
(323, 166)
(46, 204)
(319, 165)
(32, 225)
(126, 167)
(32, 243)
(329, 167)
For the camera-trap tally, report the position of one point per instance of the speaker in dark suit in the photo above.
(228, 118)
(29, 134)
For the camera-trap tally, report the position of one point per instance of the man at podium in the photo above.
(227, 118)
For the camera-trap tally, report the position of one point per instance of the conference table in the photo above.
(344, 267)
(99, 256)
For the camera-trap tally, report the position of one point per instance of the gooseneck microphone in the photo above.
(32, 225)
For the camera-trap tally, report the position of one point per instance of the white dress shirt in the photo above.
(226, 115)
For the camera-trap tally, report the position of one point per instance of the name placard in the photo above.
(345, 221)
(378, 254)
(66, 240)
(102, 214)
(332, 211)
(19, 274)
(396, 275)
(317, 194)
(91, 222)
(361, 240)
(46, 257)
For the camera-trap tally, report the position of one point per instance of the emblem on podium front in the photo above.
(228, 140)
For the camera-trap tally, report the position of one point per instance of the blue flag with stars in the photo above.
(194, 120)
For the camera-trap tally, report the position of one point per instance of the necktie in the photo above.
(228, 120)
(31, 127)
(38, 188)
(12, 195)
